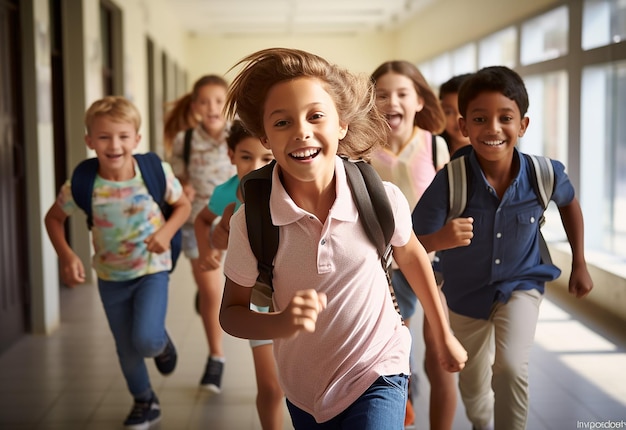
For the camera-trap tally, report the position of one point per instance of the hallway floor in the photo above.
(71, 379)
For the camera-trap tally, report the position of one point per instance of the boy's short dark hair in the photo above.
(499, 79)
(452, 85)
(236, 134)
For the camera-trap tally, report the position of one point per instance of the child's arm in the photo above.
(159, 241)
(416, 267)
(456, 232)
(219, 235)
(580, 283)
(238, 320)
(72, 269)
(209, 258)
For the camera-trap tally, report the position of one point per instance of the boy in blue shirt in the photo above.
(491, 263)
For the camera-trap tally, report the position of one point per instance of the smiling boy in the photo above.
(491, 263)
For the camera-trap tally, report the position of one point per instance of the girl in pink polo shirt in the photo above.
(341, 348)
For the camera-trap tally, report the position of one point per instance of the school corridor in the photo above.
(71, 379)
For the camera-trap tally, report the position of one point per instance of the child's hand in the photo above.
(189, 191)
(219, 235)
(457, 232)
(72, 270)
(302, 312)
(452, 355)
(158, 242)
(211, 260)
(580, 283)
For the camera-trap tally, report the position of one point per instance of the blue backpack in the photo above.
(153, 175)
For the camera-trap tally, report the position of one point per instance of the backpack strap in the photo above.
(83, 178)
(434, 150)
(542, 181)
(187, 146)
(458, 186)
(375, 213)
(373, 206)
(542, 178)
(263, 235)
(154, 178)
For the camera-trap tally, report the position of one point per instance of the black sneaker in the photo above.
(166, 361)
(212, 378)
(143, 414)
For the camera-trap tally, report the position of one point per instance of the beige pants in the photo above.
(494, 382)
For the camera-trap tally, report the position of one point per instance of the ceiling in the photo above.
(292, 17)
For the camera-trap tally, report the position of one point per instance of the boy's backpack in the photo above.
(187, 146)
(369, 195)
(541, 179)
(153, 175)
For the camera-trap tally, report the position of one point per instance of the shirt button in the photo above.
(532, 219)
(497, 261)
(498, 235)
(323, 242)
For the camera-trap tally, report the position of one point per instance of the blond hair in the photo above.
(353, 95)
(118, 108)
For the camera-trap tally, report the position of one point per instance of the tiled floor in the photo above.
(71, 379)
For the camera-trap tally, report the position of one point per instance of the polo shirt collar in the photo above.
(284, 210)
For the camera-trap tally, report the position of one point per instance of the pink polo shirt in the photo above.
(359, 336)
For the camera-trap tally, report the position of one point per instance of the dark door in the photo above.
(13, 237)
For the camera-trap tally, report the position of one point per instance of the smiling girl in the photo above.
(341, 348)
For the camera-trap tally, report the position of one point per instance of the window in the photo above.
(547, 131)
(604, 22)
(464, 60)
(545, 37)
(603, 149)
(499, 49)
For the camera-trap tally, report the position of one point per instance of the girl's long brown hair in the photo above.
(353, 95)
(431, 117)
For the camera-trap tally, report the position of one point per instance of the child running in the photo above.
(201, 168)
(449, 99)
(131, 240)
(247, 154)
(415, 117)
(494, 275)
(341, 348)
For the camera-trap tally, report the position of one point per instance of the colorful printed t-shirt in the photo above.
(124, 215)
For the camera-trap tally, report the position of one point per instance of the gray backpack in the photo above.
(541, 178)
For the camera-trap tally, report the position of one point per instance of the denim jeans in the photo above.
(136, 310)
(381, 407)
(407, 300)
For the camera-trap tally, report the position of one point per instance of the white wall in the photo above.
(448, 24)
(359, 53)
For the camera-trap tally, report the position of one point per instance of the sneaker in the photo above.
(166, 361)
(212, 378)
(143, 414)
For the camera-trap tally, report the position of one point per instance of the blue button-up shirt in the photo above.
(504, 253)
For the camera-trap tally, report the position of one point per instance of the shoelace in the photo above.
(215, 368)
(138, 409)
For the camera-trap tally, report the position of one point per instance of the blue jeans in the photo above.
(136, 310)
(407, 300)
(381, 407)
